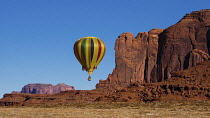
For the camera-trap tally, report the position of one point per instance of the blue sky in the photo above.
(37, 36)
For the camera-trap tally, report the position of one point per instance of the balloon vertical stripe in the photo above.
(88, 52)
(99, 49)
(83, 50)
(92, 49)
(77, 52)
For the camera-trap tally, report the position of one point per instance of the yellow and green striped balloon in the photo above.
(89, 51)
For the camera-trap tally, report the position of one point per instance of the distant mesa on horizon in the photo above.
(38, 88)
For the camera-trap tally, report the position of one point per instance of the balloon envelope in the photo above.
(89, 51)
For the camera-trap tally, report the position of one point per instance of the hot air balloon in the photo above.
(89, 51)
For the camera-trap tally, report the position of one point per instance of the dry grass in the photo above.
(112, 110)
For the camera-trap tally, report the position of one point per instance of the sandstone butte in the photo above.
(159, 65)
(44, 88)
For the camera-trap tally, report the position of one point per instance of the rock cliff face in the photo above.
(153, 56)
(184, 44)
(45, 88)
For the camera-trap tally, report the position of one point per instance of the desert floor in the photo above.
(111, 110)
